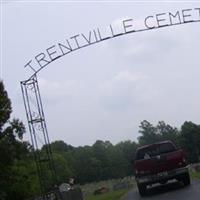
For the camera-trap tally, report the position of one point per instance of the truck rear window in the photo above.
(154, 150)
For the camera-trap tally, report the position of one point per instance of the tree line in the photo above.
(100, 161)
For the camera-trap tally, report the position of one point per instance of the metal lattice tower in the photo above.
(39, 136)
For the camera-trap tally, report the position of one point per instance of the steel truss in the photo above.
(39, 137)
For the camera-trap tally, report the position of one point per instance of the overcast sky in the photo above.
(105, 90)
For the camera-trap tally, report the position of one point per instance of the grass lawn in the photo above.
(88, 189)
(195, 174)
(113, 195)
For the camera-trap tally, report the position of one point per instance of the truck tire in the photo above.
(186, 179)
(142, 189)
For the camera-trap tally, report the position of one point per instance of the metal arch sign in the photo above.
(97, 35)
(30, 87)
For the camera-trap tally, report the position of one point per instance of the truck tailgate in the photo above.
(160, 163)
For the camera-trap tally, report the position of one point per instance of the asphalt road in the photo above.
(170, 191)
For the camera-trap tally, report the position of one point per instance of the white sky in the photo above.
(105, 90)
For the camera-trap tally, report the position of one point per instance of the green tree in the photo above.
(167, 132)
(128, 149)
(61, 146)
(100, 152)
(84, 165)
(62, 168)
(148, 133)
(161, 132)
(14, 177)
(190, 140)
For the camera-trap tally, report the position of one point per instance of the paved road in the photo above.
(170, 191)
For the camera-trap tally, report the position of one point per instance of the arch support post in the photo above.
(39, 138)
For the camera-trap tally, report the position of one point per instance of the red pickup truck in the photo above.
(158, 163)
